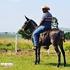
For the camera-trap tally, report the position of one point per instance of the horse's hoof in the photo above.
(64, 64)
(38, 62)
(58, 65)
(35, 63)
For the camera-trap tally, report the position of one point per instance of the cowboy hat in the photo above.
(46, 8)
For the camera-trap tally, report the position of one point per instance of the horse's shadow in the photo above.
(55, 64)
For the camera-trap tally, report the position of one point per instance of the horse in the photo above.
(53, 36)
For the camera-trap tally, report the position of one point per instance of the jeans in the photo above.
(36, 34)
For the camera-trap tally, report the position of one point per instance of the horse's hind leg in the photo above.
(59, 55)
(63, 52)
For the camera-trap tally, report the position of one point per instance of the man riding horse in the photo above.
(45, 24)
(51, 36)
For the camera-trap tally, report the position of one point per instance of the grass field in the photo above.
(24, 60)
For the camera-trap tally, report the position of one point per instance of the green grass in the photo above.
(25, 61)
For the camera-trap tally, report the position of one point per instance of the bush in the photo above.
(67, 35)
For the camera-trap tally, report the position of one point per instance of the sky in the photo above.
(12, 12)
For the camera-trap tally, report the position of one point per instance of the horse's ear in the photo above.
(27, 18)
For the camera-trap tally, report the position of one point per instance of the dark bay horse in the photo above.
(54, 37)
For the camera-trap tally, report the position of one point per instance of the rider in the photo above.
(45, 24)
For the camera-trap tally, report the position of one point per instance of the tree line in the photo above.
(67, 35)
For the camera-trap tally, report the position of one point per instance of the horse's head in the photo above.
(28, 27)
(29, 24)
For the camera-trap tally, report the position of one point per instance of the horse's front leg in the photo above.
(38, 55)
